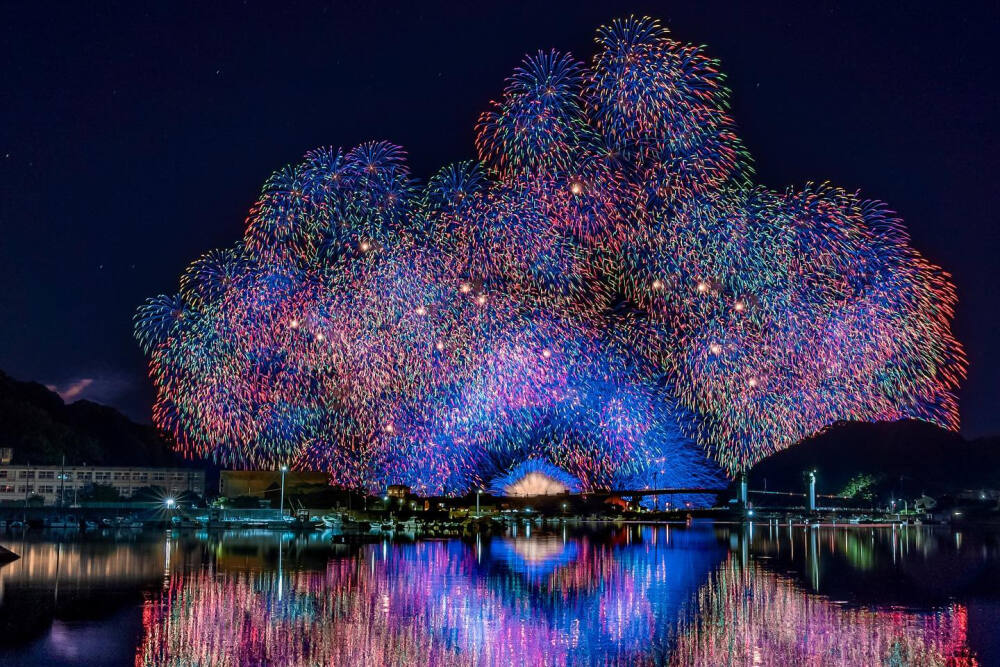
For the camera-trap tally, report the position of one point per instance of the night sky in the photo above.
(133, 139)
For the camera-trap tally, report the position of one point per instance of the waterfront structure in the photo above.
(401, 491)
(234, 483)
(20, 482)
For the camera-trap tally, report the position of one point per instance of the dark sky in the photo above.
(133, 138)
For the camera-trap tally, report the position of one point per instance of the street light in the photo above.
(281, 503)
(478, 492)
(170, 502)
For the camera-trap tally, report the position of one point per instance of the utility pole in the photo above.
(281, 504)
(812, 490)
(62, 482)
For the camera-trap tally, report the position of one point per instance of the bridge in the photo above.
(649, 492)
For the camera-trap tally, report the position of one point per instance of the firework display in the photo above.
(604, 292)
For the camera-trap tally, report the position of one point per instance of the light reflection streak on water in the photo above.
(547, 599)
(530, 600)
(748, 615)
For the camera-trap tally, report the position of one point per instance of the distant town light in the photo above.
(702, 286)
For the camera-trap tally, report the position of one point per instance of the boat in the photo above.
(332, 520)
(384, 527)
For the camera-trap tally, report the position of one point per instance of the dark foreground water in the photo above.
(685, 595)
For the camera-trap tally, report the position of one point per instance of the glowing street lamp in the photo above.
(478, 492)
(170, 502)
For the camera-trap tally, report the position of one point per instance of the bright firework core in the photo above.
(604, 299)
(534, 477)
(535, 484)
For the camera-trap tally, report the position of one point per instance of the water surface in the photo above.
(599, 594)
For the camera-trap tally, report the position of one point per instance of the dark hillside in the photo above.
(904, 458)
(41, 429)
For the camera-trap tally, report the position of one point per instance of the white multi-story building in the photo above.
(19, 482)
